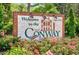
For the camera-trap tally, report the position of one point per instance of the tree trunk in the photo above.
(28, 7)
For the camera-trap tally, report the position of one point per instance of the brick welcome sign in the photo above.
(38, 25)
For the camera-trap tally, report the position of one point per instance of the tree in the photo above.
(45, 8)
(77, 27)
(71, 24)
(7, 15)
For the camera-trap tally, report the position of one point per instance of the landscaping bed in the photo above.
(10, 45)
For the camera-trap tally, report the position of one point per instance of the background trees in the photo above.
(45, 8)
(7, 9)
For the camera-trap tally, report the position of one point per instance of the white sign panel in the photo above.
(38, 26)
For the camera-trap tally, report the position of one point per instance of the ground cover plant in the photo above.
(48, 46)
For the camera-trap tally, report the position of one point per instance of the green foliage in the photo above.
(5, 42)
(71, 24)
(45, 8)
(7, 9)
(8, 28)
(3, 45)
(25, 47)
(77, 27)
(16, 51)
(44, 46)
(5, 16)
(18, 7)
(1, 17)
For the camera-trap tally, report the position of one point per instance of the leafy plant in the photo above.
(4, 45)
(71, 24)
(45, 8)
(8, 28)
(16, 51)
(77, 27)
(6, 42)
(1, 17)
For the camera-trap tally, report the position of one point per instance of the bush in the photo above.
(17, 51)
(4, 45)
(77, 27)
(71, 24)
(1, 17)
(8, 27)
(66, 46)
(6, 42)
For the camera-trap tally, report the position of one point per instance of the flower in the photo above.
(72, 43)
(72, 47)
(24, 41)
(36, 51)
(53, 41)
(2, 33)
(10, 44)
(49, 52)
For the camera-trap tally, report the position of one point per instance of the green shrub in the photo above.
(71, 24)
(8, 27)
(1, 17)
(3, 45)
(66, 46)
(77, 27)
(45, 46)
(18, 51)
(4, 42)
